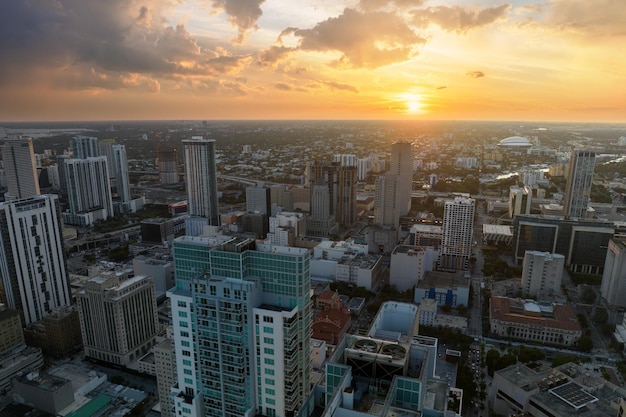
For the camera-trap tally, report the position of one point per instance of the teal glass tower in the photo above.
(242, 318)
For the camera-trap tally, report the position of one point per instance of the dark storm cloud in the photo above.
(365, 39)
(458, 19)
(243, 14)
(475, 74)
(114, 38)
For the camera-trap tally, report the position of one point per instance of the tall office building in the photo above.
(168, 167)
(579, 180)
(120, 172)
(258, 199)
(340, 177)
(201, 179)
(85, 147)
(118, 317)
(458, 228)
(402, 166)
(385, 210)
(613, 287)
(321, 222)
(32, 265)
(165, 363)
(520, 199)
(244, 348)
(89, 190)
(20, 168)
(542, 273)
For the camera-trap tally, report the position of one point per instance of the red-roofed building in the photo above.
(331, 325)
(329, 300)
(514, 318)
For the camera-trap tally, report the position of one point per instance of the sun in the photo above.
(413, 103)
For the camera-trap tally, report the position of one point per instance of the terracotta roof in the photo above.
(328, 295)
(563, 316)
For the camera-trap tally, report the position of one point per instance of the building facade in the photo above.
(542, 273)
(402, 166)
(245, 347)
(118, 317)
(613, 286)
(88, 189)
(201, 179)
(85, 147)
(578, 186)
(458, 230)
(20, 168)
(32, 265)
(165, 364)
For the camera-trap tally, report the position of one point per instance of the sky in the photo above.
(541, 60)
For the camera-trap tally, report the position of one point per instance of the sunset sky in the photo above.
(561, 60)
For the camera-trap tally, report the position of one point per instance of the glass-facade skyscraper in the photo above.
(201, 182)
(241, 323)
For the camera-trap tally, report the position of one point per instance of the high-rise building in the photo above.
(32, 265)
(89, 190)
(168, 167)
(120, 172)
(11, 334)
(201, 181)
(340, 177)
(244, 349)
(458, 228)
(85, 147)
(402, 166)
(613, 287)
(520, 199)
(385, 210)
(578, 186)
(20, 169)
(321, 223)
(258, 199)
(165, 364)
(118, 317)
(542, 273)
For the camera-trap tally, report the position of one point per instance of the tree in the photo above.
(585, 343)
(588, 296)
(491, 359)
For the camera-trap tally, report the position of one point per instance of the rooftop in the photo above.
(517, 311)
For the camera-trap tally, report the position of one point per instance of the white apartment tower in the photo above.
(20, 168)
(85, 147)
(579, 180)
(244, 348)
(542, 273)
(118, 317)
(520, 199)
(120, 172)
(201, 180)
(165, 363)
(88, 187)
(32, 266)
(458, 228)
(613, 287)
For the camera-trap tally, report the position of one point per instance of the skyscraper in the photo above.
(88, 189)
(458, 228)
(20, 168)
(120, 172)
(32, 266)
(340, 176)
(402, 166)
(542, 272)
(244, 349)
(258, 199)
(578, 187)
(168, 166)
(118, 317)
(201, 179)
(85, 147)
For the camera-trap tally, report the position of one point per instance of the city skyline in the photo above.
(355, 59)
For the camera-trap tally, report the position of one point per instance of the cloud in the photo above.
(339, 86)
(243, 14)
(282, 86)
(274, 55)
(475, 74)
(457, 18)
(594, 18)
(379, 4)
(365, 39)
(441, 87)
(102, 44)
